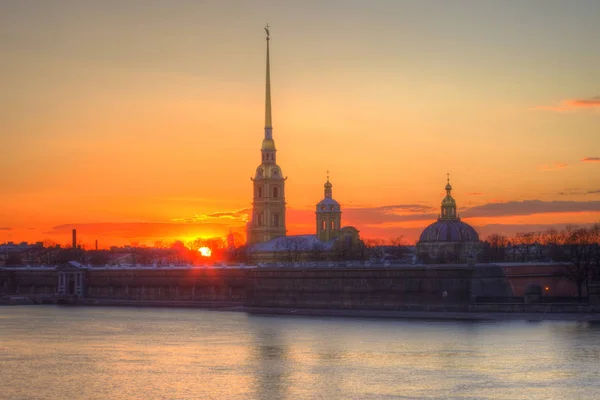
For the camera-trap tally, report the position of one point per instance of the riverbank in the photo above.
(472, 315)
(508, 314)
(432, 315)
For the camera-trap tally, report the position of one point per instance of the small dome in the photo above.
(328, 205)
(450, 230)
(448, 186)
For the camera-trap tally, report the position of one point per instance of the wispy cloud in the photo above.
(553, 167)
(475, 194)
(592, 103)
(577, 192)
(591, 159)
(5, 229)
(530, 207)
(140, 230)
(239, 215)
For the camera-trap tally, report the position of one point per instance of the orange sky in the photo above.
(143, 121)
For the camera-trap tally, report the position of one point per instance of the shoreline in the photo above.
(233, 306)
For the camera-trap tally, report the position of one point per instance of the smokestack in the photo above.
(96, 244)
(74, 238)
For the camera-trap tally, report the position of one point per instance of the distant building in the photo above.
(448, 240)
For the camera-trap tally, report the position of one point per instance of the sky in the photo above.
(139, 121)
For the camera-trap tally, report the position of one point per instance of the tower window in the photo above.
(323, 225)
(275, 192)
(260, 219)
(275, 219)
(260, 191)
(332, 225)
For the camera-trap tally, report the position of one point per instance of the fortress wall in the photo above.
(550, 276)
(165, 284)
(364, 288)
(28, 281)
(296, 287)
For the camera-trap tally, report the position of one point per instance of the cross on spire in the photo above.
(448, 175)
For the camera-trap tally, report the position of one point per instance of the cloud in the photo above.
(553, 167)
(239, 215)
(5, 229)
(530, 207)
(511, 229)
(570, 193)
(475, 194)
(591, 159)
(140, 230)
(592, 103)
(577, 192)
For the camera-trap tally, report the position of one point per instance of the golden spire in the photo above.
(268, 125)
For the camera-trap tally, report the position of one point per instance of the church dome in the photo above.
(449, 227)
(449, 230)
(327, 205)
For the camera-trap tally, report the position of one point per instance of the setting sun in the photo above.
(205, 251)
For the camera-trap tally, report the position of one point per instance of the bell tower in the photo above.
(268, 206)
(329, 215)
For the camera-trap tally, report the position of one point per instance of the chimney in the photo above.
(74, 238)
(96, 244)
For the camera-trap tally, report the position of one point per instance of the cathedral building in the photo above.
(268, 206)
(448, 240)
(266, 231)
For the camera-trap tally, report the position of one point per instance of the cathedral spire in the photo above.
(268, 124)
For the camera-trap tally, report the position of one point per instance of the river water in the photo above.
(53, 352)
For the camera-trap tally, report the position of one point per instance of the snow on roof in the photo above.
(293, 243)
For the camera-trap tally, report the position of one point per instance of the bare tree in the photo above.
(554, 241)
(524, 242)
(317, 252)
(578, 243)
(497, 247)
(375, 248)
(293, 247)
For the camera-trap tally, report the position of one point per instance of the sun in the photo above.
(205, 251)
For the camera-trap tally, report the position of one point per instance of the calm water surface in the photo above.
(50, 352)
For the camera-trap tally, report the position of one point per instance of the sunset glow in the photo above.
(142, 123)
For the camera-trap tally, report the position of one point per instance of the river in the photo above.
(62, 352)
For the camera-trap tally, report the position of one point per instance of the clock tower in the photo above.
(267, 220)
